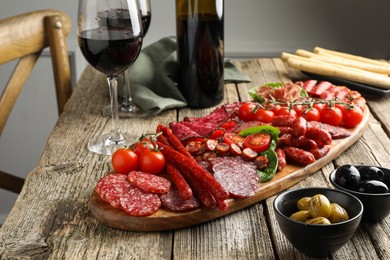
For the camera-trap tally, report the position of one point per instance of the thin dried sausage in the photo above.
(320, 136)
(299, 156)
(190, 165)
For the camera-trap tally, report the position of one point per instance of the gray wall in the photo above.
(253, 28)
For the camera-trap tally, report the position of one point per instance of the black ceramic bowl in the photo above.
(312, 239)
(376, 206)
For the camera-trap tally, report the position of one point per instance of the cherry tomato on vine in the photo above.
(124, 161)
(279, 111)
(258, 142)
(331, 115)
(151, 161)
(299, 108)
(263, 115)
(245, 112)
(352, 116)
(142, 146)
(319, 106)
(311, 114)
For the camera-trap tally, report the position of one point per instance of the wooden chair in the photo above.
(24, 37)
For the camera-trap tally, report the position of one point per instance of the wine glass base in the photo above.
(130, 111)
(104, 145)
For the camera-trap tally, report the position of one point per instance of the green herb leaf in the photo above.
(271, 130)
(269, 172)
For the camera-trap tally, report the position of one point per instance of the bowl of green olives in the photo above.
(370, 184)
(318, 221)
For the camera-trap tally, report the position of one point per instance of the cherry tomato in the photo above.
(299, 109)
(352, 116)
(217, 133)
(245, 112)
(258, 142)
(229, 126)
(263, 115)
(319, 106)
(142, 146)
(233, 138)
(124, 161)
(311, 114)
(151, 161)
(279, 111)
(331, 115)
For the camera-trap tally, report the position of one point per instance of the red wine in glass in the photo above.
(110, 49)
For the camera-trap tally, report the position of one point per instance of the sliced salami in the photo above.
(149, 182)
(182, 132)
(216, 117)
(139, 203)
(237, 176)
(172, 201)
(112, 187)
(203, 129)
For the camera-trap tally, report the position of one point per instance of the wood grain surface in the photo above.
(165, 219)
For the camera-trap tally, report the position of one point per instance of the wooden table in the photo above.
(51, 218)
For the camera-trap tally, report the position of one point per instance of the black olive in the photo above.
(373, 186)
(347, 176)
(371, 173)
(386, 178)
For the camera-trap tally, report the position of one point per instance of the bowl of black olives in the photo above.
(318, 221)
(370, 184)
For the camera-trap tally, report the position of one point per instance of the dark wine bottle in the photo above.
(200, 51)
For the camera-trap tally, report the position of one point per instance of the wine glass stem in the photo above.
(127, 100)
(115, 135)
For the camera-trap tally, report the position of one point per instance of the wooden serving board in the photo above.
(168, 220)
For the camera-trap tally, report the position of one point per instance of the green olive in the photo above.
(302, 204)
(318, 220)
(301, 216)
(319, 206)
(337, 213)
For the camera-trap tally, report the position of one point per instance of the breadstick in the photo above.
(339, 71)
(326, 52)
(345, 62)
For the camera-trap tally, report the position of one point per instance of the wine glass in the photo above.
(110, 38)
(127, 108)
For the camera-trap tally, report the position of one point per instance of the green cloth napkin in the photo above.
(152, 77)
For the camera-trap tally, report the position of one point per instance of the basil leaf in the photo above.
(271, 130)
(269, 172)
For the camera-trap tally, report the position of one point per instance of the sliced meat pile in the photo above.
(192, 127)
(326, 90)
(136, 193)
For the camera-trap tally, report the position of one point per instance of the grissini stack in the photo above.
(341, 65)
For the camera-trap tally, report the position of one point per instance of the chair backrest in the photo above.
(23, 37)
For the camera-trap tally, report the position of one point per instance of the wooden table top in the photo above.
(51, 218)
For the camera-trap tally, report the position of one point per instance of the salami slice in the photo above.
(203, 129)
(172, 201)
(237, 176)
(149, 182)
(139, 203)
(216, 117)
(112, 187)
(182, 132)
